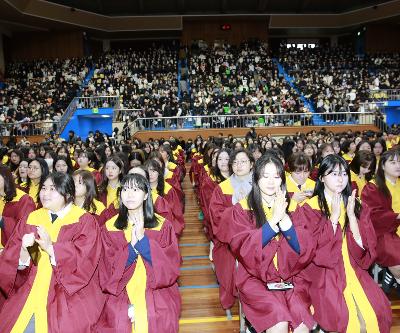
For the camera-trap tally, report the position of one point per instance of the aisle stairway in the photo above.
(201, 310)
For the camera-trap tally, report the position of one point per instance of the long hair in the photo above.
(153, 164)
(365, 159)
(67, 160)
(9, 184)
(327, 166)
(91, 189)
(380, 179)
(120, 164)
(45, 173)
(136, 181)
(20, 154)
(215, 171)
(254, 200)
(167, 148)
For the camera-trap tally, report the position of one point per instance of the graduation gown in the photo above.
(337, 280)
(206, 189)
(12, 212)
(110, 197)
(259, 265)
(292, 187)
(384, 219)
(63, 298)
(357, 183)
(162, 207)
(223, 259)
(150, 285)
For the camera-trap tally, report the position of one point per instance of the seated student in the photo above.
(86, 193)
(22, 174)
(298, 185)
(63, 164)
(349, 149)
(382, 196)
(38, 171)
(160, 187)
(53, 255)
(270, 247)
(362, 170)
(344, 296)
(225, 195)
(85, 159)
(112, 174)
(14, 205)
(139, 268)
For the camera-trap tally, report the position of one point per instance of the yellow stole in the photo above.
(361, 182)
(226, 187)
(99, 207)
(136, 287)
(171, 166)
(33, 192)
(268, 215)
(112, 196)
(395, 193)
(347, 157)
(36, 303)
(353, 293)
(18, 196)
(292, 187)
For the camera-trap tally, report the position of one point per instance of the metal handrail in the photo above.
(385, 94)
(259, 120)
(29, 128)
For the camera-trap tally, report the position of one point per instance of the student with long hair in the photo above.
(344, 296)
(22, 174)
(324, 150)
(63, 164)
(139, 268)
(382, 196)
(225, 195)
(378, 148)
(85, 161)
(49, 266)
(14, 204)
(38, 171)
(349, 149)
(160, 187)
(270, 247)
(362, 170)
(16, 156)
(112, 174)
(86, 193)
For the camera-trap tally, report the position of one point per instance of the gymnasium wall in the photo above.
(45, 45)
(209, 29)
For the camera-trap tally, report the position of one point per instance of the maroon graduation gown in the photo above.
(323, 281)
(385, 223)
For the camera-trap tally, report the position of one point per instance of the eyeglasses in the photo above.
(240, 162)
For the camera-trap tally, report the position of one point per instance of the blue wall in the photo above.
(392, 110)
(85, 120)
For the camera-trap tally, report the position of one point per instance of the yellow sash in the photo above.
(136, 287)
(354, 294)
(395, 194)
(361, 182)
(33, 192)
(36, 303)
(112, 196)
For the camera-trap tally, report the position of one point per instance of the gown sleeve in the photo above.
(77, 254)
(383, 217)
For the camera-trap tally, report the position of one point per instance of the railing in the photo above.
(98, 102)
(125, 114)
(28, 128)
(385, 94)
(259, 120)
(87, 103)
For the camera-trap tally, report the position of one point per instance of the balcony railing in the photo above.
(385, 95)
(257, 120)
(29, 128)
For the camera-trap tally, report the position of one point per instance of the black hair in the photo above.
(233, 155)
(364, 158)
(328, 164)
(254, 199)
(120, 164)
(380, 179)
(136, 181)
(215, 171)
(64, 185)
(91, 189)
(160, 181)
(44, 170)
(67, 161)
